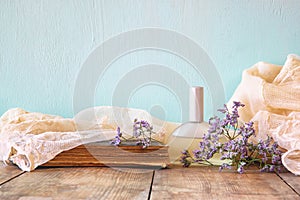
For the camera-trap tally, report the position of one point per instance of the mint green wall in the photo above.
(43, 43)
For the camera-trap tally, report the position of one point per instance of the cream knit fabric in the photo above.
(271, 94)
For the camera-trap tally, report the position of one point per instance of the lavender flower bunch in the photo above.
(142, 132)
(238, 148)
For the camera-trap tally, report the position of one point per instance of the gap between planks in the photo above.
(8, 173)
(290, 181)
(150, 190)
(6, 181)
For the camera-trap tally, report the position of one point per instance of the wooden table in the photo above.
(174, 183)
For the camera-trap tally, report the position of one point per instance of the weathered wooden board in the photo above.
(209, 183)
(79, 183)
(174, 183)
(292, 180)
(8, 172)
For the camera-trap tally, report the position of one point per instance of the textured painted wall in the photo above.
(43, 44)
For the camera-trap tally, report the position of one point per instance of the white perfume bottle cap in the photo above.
(196, 104)
(195, 127)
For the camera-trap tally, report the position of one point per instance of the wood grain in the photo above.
(8, 172)
(79, 183)
(209, 183)
(292, 180)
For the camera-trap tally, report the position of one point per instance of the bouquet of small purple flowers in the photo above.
(238, 148)
(142, 133)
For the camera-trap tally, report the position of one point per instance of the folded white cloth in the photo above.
(271, 94)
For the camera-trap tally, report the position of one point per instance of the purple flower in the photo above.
(265, 168)
(184, 158)
(237, 104)
(240, 168)
(224, 166)
(224, 109)
(142, 131)
(145, 124)
(237, 148)
(119, 132)
(276, 159)
(279, 168)
(136, 133)
(272, 168)
(145, 142)
(117, 140)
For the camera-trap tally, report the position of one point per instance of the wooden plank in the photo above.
(8, 172)
(292, 180)
(79, 183)
(209, 183)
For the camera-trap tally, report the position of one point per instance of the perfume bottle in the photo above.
(188, 135)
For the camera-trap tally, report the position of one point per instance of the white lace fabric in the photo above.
(32, 139)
